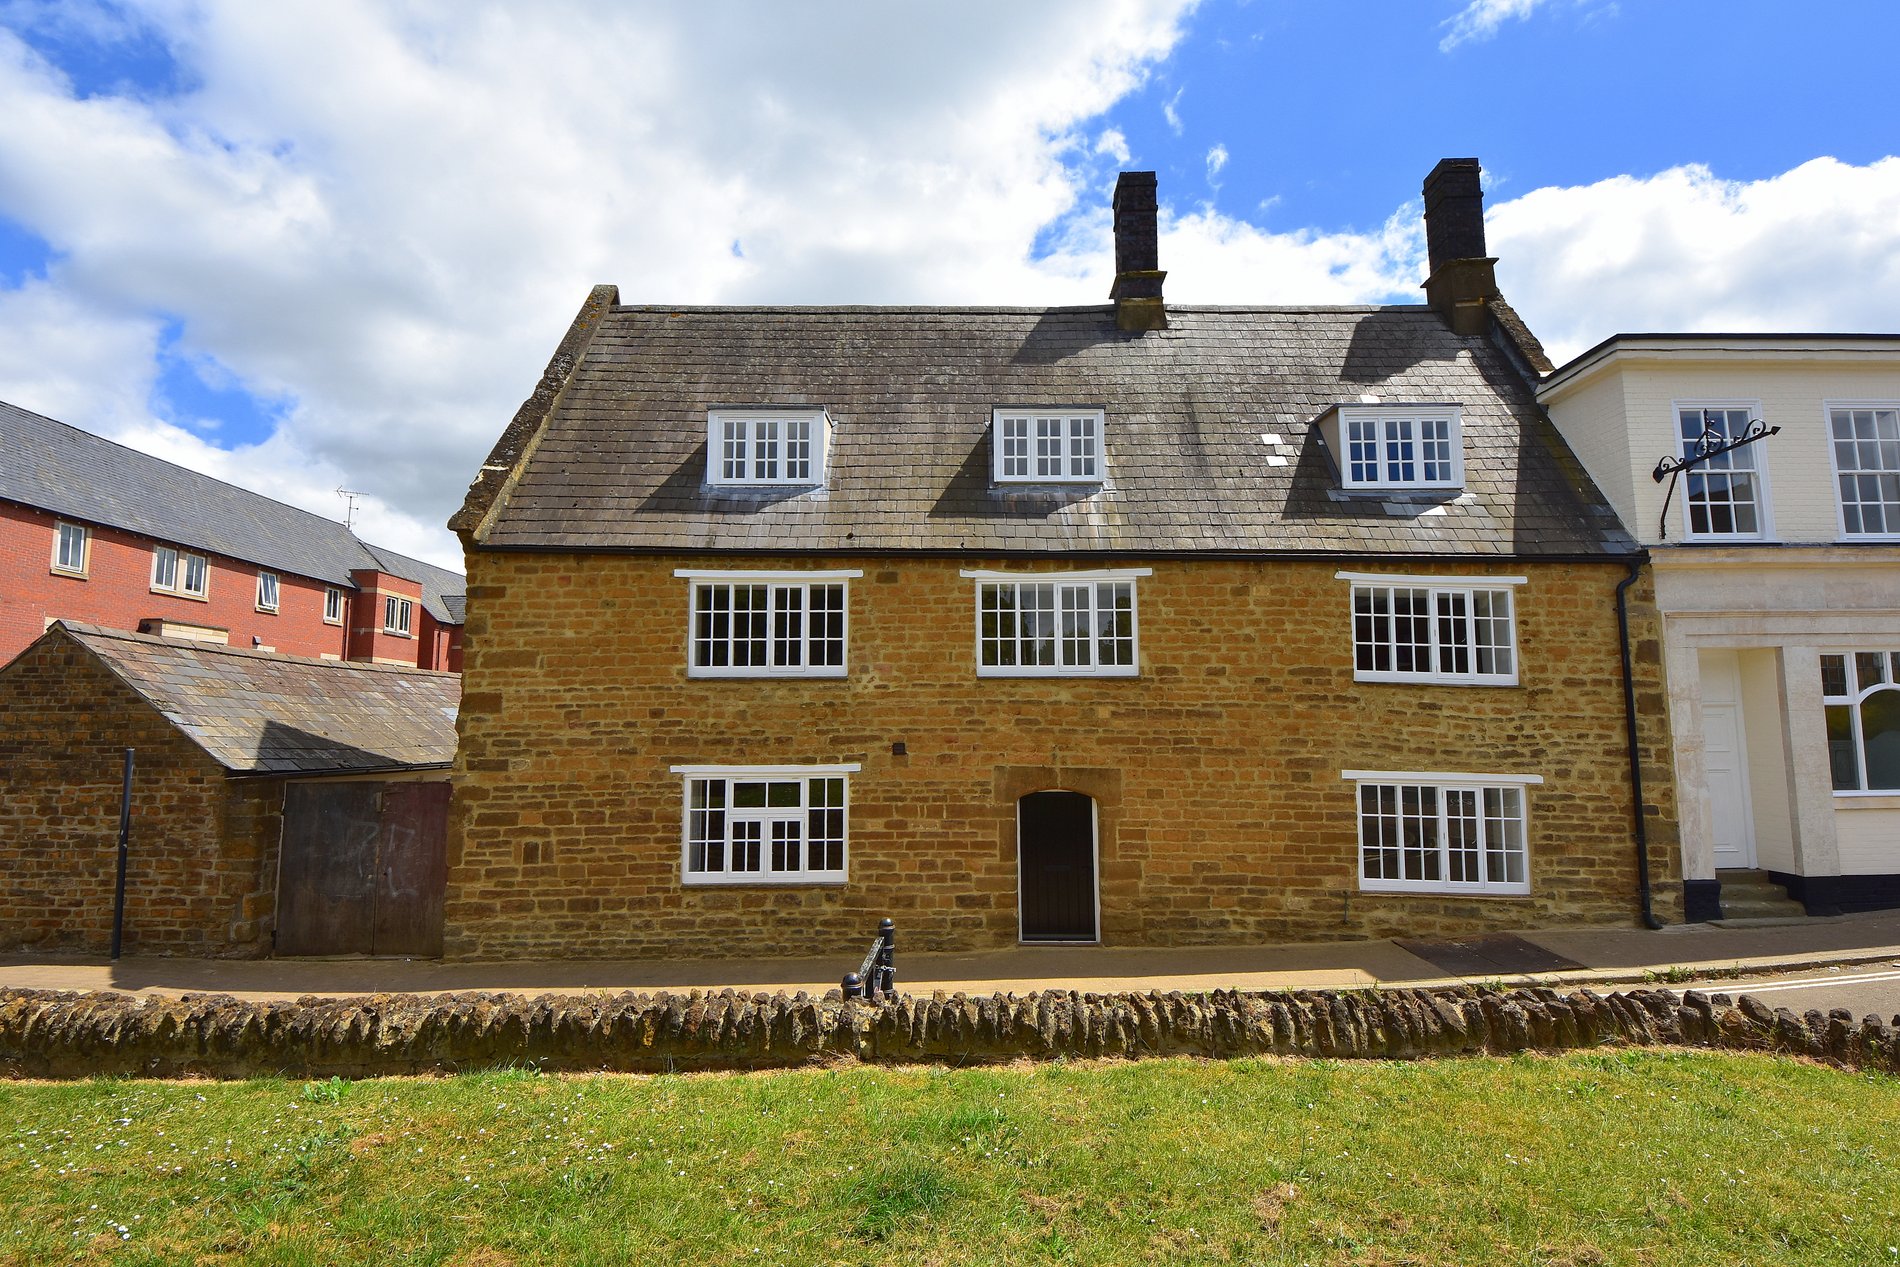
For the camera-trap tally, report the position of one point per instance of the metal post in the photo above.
(853, 986)
(125, 832)
(887, 958)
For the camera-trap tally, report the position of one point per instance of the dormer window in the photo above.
(1047, 446)
(766, 446)
(1396, 446)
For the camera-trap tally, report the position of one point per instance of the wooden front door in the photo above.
(363, 870)
(1055, 860)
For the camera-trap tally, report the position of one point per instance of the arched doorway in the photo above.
(1055, 867)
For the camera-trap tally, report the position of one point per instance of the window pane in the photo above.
(1504, 835)
(747, 838)
(827, 625)
(765, 448)
(1454, 633)
(1833, 675)
(748, 795)
(1880, 739)
(798, 449)
(1077, 625)
(1843, 760)
(165, 568)
(1082, 455)
(732, 456)
(998, 628)
(1049, 447)
(750, 619)
(1491, 631)
(1411, 631)
(195, 573)
(1461, 836)
(788, 853)
(782, 795)
(1115, 623)
(1435, 448)
(788, 626)
(1870, 668)
(1379, 832)
(1016, 446)
(1036, 620)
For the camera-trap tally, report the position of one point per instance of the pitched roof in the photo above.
(59, 468)
(611, 451)
(256, 712)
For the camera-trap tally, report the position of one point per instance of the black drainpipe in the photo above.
(1629, 738)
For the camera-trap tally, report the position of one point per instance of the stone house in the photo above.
(94, 532)
(1777, 573)
(1128, 624)
(277, 802)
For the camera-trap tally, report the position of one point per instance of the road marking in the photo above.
(1735, 987)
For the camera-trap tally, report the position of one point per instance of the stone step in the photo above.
(1752, 895)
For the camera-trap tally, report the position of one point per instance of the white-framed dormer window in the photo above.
(396, 614)
(766, 446)
(1725, 498)
(765, 824)
(178, 572)
(332, 605)
(1442, 833)
(1460, 630)
(1047, 446)
(1065, 624)
(1865, 438)
(767, 624)
(1398, 446)
(267, 591)
(71, 548)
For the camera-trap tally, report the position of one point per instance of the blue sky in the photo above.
(306, 245)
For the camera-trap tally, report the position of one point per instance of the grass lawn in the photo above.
(1597, 1158)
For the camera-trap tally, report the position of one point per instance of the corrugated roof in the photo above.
(256, 712)
(59, 468)
(1209, 438)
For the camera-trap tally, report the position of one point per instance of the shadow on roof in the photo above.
(1064, 332)
(1388, 343)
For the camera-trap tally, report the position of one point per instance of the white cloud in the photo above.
(1216, 160)
(1816, 248)
(1171, 111)
(1481, 19)
(1112, 144)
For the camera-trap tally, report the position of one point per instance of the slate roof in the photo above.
(1210, 440)
(59, 468)
(256, 712)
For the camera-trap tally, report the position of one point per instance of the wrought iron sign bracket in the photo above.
(1709, 445)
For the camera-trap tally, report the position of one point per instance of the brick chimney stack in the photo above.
(1463, 279)
(1138, 275)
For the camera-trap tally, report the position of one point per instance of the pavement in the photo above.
(1578, 956)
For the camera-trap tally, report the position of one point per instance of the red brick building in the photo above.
(95, 532)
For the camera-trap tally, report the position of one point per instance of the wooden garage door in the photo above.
(363, 870)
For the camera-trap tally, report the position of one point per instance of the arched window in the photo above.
(1862, 695)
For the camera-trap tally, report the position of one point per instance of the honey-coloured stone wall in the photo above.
(1221, 813)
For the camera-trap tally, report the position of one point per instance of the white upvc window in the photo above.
(1442, 833)
(1865, 439)
(1726, 497)
(1861, 693)
(766, 446)
(1459, 630)
(1064, 624)
(332, 605)
(396, 614)
(765, 824)
(177, 572)
(1047, 446)
(71, 547)
(267, 591)
(767, 624)
(1401, 446)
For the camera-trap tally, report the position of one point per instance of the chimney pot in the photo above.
(1463, 278)
(1138, 276)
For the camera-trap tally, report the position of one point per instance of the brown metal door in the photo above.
(1055, 851)
(412, 873)
(326, 874)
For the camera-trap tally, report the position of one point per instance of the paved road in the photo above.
(1861, 989)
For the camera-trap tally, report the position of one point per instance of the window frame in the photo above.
(1065, 436)
(819, 441)
(766, 875)
(1444, 783)
(1856, 696)
(1828, 410)
(60, 528)
(275, 587)
(1468, 586)
(184, 564)
(1385, 414)
(333, 597)
(1090, 579)
(1764, 501)
(773, 581)
(166, 584)
(396, 604)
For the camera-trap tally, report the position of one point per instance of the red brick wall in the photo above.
(368, 641)
(117, 592)
(1216, 772)
(203, 853)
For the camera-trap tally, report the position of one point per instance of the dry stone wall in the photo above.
(44, 1034)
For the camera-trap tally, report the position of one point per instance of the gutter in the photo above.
(1629, 738)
